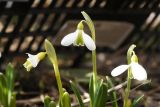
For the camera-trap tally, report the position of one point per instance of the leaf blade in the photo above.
(77, 93)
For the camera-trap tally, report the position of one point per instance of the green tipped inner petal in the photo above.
(26, 63)
(79, 41)
(29, 67)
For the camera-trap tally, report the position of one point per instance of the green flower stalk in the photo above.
(129, 77)
(135, 71)
(53, 58)
(92, 29)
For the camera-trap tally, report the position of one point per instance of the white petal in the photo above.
(69, 39)
(88, 41)
(138, 71)
(33, 59)
(119, 70)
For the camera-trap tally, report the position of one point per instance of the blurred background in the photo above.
(25, 24)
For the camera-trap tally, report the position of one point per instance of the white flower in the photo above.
(33, 60)
(138, 71)
(0, 54)
(79, 38)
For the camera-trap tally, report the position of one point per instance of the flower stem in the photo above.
(53, 58)
(127, 91)
(58, 78)
(90, 24)
(94, 69)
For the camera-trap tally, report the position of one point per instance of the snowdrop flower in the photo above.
(33, 60)
(0, 54)
(79, 38)
(138, 72)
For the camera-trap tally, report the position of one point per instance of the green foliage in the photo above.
(137, 101)
(48, 102)
(91, 90)
(100, 97)
(77, 93)
(7, 96)
(66, 102)
(112, 94)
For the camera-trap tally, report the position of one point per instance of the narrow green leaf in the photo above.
(101, 96)
(91, 91)
(52, 104)
(66, 102)
(47, 101)
(3, 91)
(13, 100)
(77, 93)
(10, 81)
(112, 93)
(137, 100)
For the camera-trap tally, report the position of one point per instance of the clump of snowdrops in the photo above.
(100, 90)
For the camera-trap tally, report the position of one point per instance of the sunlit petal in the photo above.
(34, 60)
(69, 39)
(138, 72)
(119, 70)
(88, 41)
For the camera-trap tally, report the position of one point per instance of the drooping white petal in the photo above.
(88, 41)
(119, 70)
(138, 71)
(69, 39)
(0, 54)
(34, 60)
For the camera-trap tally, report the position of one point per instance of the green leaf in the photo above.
(10, 81)
(3, 91)
(112, 93)
(7, 97)
(47, 101)
(13, 100)
(91, 90)
(77, 93)
(89, 23)
(137, 100)
(66, 102)
(52, 104)
(101, 96)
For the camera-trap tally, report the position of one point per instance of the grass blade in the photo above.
(77, 93)
(112, 93)
(101, 96)
(10, 81)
